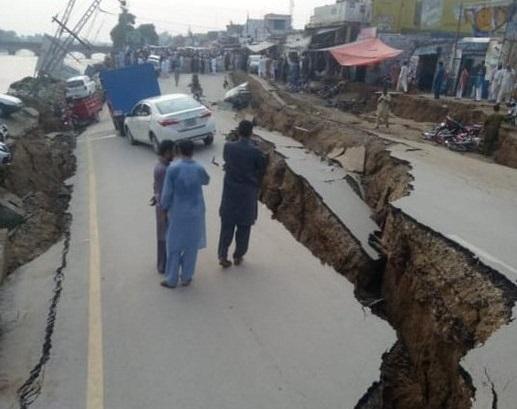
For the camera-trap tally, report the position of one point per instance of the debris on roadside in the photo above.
(239, 97)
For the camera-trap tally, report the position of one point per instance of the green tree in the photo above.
(148, 35)
(124, 33)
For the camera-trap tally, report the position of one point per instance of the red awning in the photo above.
(364, 52)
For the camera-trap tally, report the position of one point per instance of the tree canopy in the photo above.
(124, 34)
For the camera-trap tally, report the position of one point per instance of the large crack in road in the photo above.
(439, 297)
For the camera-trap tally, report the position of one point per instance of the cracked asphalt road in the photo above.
(282, 331)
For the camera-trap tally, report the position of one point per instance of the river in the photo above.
(14, 68)
(21, 65)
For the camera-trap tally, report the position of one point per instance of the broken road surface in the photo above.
(282, 331)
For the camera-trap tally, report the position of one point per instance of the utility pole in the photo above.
(452, 62)
(61, 43)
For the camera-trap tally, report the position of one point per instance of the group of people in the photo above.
(292, 68)
(501, 83)
(180, 205)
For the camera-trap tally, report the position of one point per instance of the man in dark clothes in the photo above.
(438, 80)
(165, 156)
(245, 166)
(491, 128)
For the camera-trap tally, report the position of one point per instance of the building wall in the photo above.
(394, 15)
(346, 11)
(424, 15)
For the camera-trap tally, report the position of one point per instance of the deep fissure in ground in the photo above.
(437, 296)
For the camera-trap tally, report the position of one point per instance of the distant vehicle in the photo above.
(9, 105)
(156, 61)
(174, 117)
(5, 154)
(253, 63)
(4, 132)
(124, 87)
(80, 87)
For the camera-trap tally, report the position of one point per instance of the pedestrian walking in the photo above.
(403, 78)
(438, 80)
(244, 167)
(507, 82)
(383, 109)
(182, 198)
(213, 64)
(462, 83)
(178, 66)
(165, 156)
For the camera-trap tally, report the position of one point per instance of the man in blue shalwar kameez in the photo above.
(182, 198)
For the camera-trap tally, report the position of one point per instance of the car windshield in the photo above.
(75, 84)
(177, 104)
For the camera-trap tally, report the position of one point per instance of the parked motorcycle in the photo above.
(455, 135)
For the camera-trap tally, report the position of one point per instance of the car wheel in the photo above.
(209, 140)
(130, 137)
(155, 143)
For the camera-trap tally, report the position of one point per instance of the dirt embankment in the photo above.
(438, 298)
(42, 162)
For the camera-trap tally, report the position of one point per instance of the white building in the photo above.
(272, 26)
(343, 11)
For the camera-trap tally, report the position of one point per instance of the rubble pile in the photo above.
(46, 96)
(33, 194)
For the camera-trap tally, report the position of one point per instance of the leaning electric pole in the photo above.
(64, 38)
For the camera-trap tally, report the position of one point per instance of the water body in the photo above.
(15, 67)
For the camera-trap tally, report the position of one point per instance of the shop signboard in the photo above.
(432, 12)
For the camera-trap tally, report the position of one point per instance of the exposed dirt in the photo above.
(441, 301)
(425, 109)
(41, 164)
(295, 204)
(507, 153)
(45, 95)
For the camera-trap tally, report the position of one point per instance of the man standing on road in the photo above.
(383, 109)
(245, 166)
(178, 66)
(165, 156)
(182, 198)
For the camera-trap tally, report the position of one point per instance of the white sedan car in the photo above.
(176, 117)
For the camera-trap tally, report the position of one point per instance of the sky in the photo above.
(174, 16)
